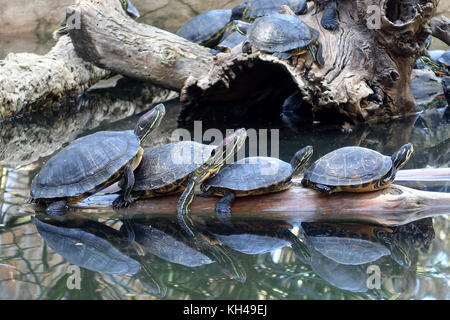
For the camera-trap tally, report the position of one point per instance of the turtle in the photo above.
(355, 169)
(444, 59)
(253, 176)
(207, 28)
(178, 167)
(95, 246)
(129, 8)
(93, 162)
(167, 239)
(437, 67)
(284, 36)
(295, 110)
(232, 41)
(329, 18)
(253, 9)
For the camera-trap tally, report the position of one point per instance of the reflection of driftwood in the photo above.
(440, 28)
(366, 74)
(27, 140)
(29, 81)
(392, 206)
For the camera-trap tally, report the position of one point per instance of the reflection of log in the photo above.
(366, 75)
(393, 206)
(28, 81)
(27, 140)
(440, 28)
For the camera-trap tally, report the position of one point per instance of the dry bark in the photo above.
(440, 28)
(110, 39)
(29, 81)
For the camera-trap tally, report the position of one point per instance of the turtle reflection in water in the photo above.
(92, 163)
(254, 237)
(167, 239)
(97, 247)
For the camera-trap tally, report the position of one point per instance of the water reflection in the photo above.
(160, 261)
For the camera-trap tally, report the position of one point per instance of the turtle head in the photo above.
(149, 121)
(300, 158)
(229, 146)
(130, 9)
(402, 156)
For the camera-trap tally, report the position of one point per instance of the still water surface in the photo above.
(251, 258)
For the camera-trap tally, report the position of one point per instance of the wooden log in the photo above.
(110, 39)
(395, 205)
(440, 28)
(366, 76)
(29, 81)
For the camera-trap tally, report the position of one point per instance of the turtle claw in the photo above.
(122, 202)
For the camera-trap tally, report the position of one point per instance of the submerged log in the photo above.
(29, 81)
(395, 205)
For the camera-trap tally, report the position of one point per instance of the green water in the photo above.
(250, 259)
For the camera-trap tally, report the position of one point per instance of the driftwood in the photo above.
(29, 81)
(395, 205)
(366, 75)
(440, 28)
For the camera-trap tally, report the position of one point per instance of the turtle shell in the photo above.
(206, 26)
(349, 166)
(251, 174)
(167, 164)
(259, 8)
(231, 41)
(85, 164)
(445, 58)
(280, 33)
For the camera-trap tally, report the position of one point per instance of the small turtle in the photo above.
(355, 169)
(92, 163)
(284, 35)
(207, 28)
(232, 41)
(258, 8)
(253, 176)
(437, 67)
(180, 166)
(329, 18)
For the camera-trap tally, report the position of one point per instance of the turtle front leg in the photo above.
(329, 19)
(125, 199)
(223, 206)
(57, 208)
(323, 189)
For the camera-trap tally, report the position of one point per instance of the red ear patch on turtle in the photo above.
(228, 140)
(149, 115)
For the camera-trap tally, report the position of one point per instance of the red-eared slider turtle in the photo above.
(180, 166)
(254, 176)
(284, 36)
(232, 41)
(355, 169)
(166, 239)
(206, 28)
(92, 163)
(252, 9)
(329, 18)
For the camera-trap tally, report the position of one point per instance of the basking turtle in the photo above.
(355, 169)
(444, 59)
(180, 166)
(129, 8)
(207, 28)
(253, 9)
(166, 239)
(92, 163)
(329, 18)
(437, 67)
(284, 36)
(254, 176)
(232, 41)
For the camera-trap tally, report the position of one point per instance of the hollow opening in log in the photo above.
(400, 12)
(256, 91)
